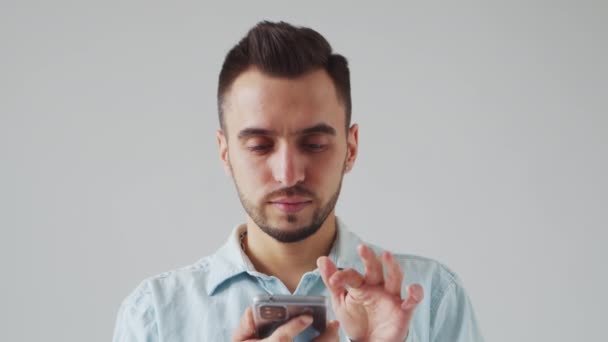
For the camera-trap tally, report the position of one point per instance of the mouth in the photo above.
(290, 207)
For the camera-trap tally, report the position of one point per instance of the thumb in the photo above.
(291, 329)
(415, 294)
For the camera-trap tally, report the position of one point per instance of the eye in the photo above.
(259, 148)
(258, 145)
(314, 147)
(314, 143)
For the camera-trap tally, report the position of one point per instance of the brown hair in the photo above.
(283, 50)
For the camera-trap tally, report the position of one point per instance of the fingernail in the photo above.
(305, 320)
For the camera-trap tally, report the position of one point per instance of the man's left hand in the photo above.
(369, 307)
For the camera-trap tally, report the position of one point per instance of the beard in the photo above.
(319, 215)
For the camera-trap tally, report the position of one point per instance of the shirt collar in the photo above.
(230, 261)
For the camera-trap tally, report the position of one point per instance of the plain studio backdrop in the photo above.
(483, 144)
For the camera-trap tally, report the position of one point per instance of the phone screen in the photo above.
(272, 311)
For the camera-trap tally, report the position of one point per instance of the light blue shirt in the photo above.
(205, 301)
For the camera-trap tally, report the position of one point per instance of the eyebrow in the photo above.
(319, 128)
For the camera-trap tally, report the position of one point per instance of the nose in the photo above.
(288, 166)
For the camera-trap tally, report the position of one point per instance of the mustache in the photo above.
(289, 192)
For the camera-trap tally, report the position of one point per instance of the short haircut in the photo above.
(283, 50)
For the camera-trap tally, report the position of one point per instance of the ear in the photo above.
(352, 147)
(222, 143)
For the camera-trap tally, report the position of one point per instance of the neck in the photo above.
(288, 261)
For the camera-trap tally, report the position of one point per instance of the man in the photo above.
(286, 140)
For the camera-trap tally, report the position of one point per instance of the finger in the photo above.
(331, 333)
(291, 329)
(327, 269)
(394, 275)
(246, 329)
(349, 277)
(373, 267)
(415, 294)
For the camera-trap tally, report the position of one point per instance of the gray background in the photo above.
(483, 144)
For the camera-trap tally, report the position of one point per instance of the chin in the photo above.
(291, 221)
(292, 234)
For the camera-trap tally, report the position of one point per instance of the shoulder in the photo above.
(423, 268)
(428, 269)
(436, 277)
(446, 303)
(140, 312)
(142, 297)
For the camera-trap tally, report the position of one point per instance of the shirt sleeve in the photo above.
(454, 319)
(136, 321)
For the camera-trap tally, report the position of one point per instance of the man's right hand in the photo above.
(286, 332)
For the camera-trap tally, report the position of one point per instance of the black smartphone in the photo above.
(271, 311)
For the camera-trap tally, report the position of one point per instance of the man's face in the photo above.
(287, 148)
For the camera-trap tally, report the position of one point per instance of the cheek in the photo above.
(326, 176)
(251, 175)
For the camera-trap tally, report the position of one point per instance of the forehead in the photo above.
(283, 104)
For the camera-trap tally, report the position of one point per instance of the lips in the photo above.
(290, 205)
